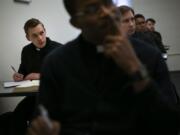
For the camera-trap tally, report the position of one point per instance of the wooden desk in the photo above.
(9, 92)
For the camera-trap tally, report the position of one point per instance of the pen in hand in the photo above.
(13, 69)
(17, 76)
(44, 114)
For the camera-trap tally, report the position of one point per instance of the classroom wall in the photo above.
(52, 14)
(166, 13)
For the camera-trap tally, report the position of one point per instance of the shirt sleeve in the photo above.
(22, 67)
(162, 78)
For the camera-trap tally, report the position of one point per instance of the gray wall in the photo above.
(166, 13)
(52, 14)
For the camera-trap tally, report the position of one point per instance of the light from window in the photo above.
(122, 2)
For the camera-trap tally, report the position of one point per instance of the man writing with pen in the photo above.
(34, 53)
(32, 57)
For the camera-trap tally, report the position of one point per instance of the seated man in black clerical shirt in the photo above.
(32, 57)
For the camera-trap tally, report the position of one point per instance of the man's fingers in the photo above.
(40, 127)
(56, 128)
(18, 77)
(30, 131)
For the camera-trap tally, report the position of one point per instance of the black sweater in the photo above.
(90, 94)
(32, 58)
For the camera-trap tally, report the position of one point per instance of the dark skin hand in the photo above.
(40, 127)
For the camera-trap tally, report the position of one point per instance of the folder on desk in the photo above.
(28, 86)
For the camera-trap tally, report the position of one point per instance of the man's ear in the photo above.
(27, 37)
(75, 22)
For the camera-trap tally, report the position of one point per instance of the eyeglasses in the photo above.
(94, 9)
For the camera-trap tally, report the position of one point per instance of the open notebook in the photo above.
(26, 85)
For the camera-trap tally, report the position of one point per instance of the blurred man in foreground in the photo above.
(98, 83)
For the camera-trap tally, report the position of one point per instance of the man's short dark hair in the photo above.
(151, 20)
(124, 9)
(31, 23)
(70, 6)
(139, 16)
